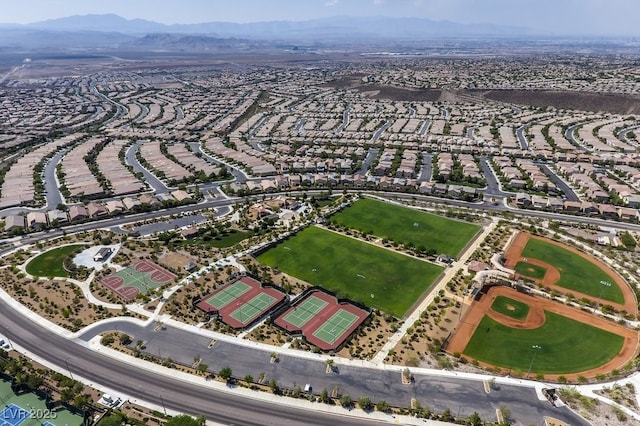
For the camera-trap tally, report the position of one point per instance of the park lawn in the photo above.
(404, 225)
(533, 271)
(50, 263)
(502, 304)
(334, 261)
(567, 346)
(576, 273)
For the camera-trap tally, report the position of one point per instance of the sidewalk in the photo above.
(448, 275)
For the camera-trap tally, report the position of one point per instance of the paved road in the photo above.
(493, 184)
(50, 182)
(425, 127)
(380, 131)
(570, 136)
(130, 158)
(366, 163)
(427, 167)
(158, 389)
(522, 139)
(238, 174)
(438, 393)
(345, 121)
(560, 183)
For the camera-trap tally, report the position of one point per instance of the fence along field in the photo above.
(371, 275)
(407, 226)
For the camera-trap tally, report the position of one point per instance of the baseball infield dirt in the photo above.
(535, 318)
(513, 255)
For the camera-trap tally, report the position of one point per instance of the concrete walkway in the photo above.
(448, 275)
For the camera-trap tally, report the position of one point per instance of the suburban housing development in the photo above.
(246, 232)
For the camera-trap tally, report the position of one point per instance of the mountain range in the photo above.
(114, 31)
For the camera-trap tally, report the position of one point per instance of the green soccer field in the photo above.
(354, 269)
(50, 263)
(576, 273)
(530, 270)
(405, 225)
(513, 308)
(566, 345)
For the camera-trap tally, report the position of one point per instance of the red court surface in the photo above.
(328, 325)
(139, 278)
(240, 303)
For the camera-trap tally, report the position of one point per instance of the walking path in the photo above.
(376, 362)
(448, 275)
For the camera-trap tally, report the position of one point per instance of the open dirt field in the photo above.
(536, 318)
(513, 256)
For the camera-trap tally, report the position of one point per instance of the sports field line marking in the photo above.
(336, 322)
(248, 310)
(228, 295)
(305, 311)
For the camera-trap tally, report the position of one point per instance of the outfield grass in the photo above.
(50, 263)
(334, 262)
(576, 273)
(513, 308)
(405, 225)
(529, 270)
(567, 346)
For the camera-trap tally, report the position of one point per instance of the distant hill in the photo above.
(376, 27)
(115, 32)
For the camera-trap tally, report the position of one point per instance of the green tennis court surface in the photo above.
(303, 313)
(228, 294)
(335, 326)
(252, 308)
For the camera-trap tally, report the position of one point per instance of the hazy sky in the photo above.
(556, 16)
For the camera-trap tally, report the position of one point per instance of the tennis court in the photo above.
(302, 313)
(252, 308)
(240, 303)
(13, 415)
(335, 326)
(322, 319)
(228, 294)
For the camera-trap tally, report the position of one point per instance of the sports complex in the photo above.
(322, 319)
(515, 330)
(140, 278)
(240, 303)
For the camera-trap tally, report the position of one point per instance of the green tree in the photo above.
(184, 420)
(383, 406)
(226, 373)
(474, 419)
(324, 395)
(125, 339)
(365, 403)
(346, 401)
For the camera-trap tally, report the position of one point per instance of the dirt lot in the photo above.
(583, 101)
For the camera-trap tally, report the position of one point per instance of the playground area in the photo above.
(322, 319)
(140, 278)
(241, 302)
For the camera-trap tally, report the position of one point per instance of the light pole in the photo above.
(162, 400)
(66, 361)
(604, 285)
(535, 351)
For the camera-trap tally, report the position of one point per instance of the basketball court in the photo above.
(140, 278)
